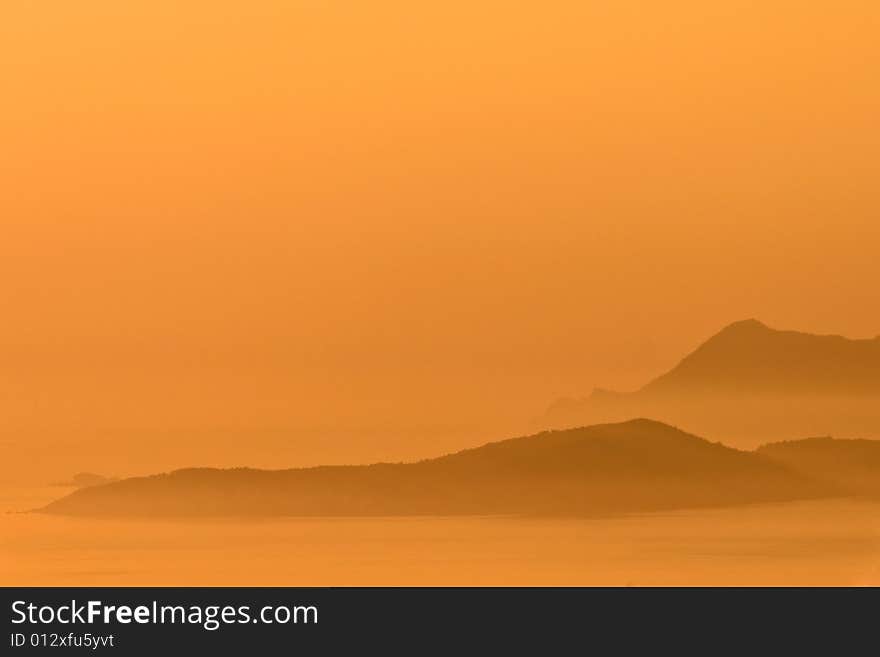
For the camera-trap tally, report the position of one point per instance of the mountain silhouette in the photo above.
(639, 465)
(850, 465)
(748, 357)
(751, 383)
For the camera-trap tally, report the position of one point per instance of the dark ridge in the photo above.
(639, 465)
(851, 465)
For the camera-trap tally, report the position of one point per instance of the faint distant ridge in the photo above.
(639, 465)
(83, 479)
(750, 383)
(750, 357)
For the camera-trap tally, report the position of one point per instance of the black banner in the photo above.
(413, 621)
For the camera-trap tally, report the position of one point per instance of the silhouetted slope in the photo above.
(633, 466)
(751, 383)
(852, 465)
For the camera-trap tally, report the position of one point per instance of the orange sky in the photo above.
(382, 229)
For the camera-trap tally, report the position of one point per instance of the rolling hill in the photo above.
(639, 465)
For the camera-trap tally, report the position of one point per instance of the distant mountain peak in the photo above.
(749, 356)
(742, 333)
(744, 325)
(752, 381)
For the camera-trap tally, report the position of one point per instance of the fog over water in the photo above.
(829, 542)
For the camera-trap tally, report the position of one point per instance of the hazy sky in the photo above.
(232, 217)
